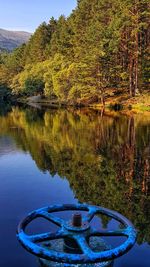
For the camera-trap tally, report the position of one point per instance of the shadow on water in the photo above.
(5, 108)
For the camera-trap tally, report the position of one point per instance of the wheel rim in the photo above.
(88, 256)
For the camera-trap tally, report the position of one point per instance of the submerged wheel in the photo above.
(79, 234)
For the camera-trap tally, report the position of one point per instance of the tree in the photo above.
(35, 49)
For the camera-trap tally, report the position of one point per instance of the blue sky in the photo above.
(28, 14)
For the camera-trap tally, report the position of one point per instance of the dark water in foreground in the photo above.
(57, 156)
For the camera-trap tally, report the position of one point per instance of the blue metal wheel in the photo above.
(80, 234)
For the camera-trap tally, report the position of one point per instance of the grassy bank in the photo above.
(124, 103)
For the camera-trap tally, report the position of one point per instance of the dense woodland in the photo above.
(103, 44)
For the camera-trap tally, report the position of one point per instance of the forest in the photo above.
(101, 50)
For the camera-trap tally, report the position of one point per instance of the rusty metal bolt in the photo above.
(77, 220)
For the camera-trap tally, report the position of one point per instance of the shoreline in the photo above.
(135, 105)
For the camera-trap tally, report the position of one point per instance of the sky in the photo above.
(27, 15)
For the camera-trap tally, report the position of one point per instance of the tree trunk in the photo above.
(132, 77)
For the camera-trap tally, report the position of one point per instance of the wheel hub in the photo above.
(77, 224)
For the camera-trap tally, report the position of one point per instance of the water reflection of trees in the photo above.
(4, 108)
(106, 159)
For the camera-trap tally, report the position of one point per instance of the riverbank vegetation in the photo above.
(99, 54)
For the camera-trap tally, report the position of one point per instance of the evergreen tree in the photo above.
(35, 50)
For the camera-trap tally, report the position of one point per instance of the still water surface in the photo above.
(59, 156)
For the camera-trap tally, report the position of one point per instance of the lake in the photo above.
(70, 156)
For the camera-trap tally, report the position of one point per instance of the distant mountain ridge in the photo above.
(12, 39)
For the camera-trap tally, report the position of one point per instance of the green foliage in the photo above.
(102, 44)
(33, 86)
(61, 38)
(35, 49)
(27, 80)
(15, 61)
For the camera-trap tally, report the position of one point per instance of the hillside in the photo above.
(12, 39)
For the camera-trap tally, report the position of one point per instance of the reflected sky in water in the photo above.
(49, 157)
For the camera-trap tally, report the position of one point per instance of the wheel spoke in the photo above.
(82, 242)
(56, 220)
(121, 232)
(47, 236)
(91, 213)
